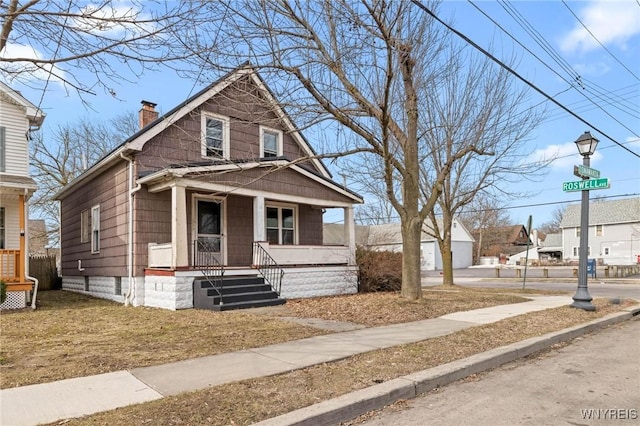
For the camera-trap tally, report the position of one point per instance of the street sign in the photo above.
(586, 172)
(586, 185)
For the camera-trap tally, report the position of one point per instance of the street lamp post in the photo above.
(586, 146)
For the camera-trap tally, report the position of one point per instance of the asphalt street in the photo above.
(560, 279)
(594, 380)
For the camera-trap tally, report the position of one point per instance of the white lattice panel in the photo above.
(15, 300)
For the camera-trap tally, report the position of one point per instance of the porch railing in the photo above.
(267, 267)
(10, 265)
(205, 252)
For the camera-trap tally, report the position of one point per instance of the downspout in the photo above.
(131, 288)
(26, 254)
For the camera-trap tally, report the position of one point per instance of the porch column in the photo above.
(179, 245)
(23, 243)
(258, 219)
(350, 233)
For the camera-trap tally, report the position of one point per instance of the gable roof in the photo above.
(34, 114)
(384, 234)
(136, 142)
(604, 212)
(509, 234)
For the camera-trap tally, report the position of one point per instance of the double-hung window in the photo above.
(95, 229)
(215, 136)
(599, 231)
(270, 143)
(281, 225)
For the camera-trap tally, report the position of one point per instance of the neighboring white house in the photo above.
(614, 231)
(18, 117)
(388, 237)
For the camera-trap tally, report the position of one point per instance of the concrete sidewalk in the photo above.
(86, 395)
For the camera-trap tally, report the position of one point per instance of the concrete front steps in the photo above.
(238, 292)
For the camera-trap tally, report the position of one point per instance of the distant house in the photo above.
(38, 238)
(614, 231)
(388, 237)
(221, 184)
(502, 242)
(18, 117)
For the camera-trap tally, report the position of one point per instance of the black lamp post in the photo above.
(586, 146)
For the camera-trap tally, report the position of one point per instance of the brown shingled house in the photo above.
(502, 241)
(218, 198)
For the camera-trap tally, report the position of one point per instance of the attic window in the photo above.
(215, 136)
(270, 143)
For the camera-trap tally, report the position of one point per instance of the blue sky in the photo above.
(614, 90)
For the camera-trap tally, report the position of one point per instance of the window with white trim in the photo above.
(85, 226)
(606, 251)
(95, 229)
(578, 232)
(215, 136)
(599, 231)
(270, 142)
(576, 251)
(281, 224)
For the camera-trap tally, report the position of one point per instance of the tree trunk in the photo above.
(411, 280)
(447, 259)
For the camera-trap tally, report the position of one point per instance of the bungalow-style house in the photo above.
(388, 237)
(18, 117)
(614, 231)
(218, 198)
(501, 242)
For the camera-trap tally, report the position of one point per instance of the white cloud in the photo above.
(633, 142)
(26, 71)
(611, 22)
(113, 20)
(562, 157)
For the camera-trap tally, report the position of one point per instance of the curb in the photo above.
(352, 405)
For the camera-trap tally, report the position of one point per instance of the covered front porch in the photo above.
(235, 222)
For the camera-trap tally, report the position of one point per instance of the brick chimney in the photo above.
(147, 113)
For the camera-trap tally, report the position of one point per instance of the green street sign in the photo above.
(586, 185)
(586, 172)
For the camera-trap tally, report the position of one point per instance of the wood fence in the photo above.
(44, 269)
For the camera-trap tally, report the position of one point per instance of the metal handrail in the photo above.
(267, 267)
(204, 258)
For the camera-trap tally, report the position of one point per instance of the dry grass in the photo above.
(72, 335)
(249, 401)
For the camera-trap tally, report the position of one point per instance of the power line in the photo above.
(517, 75)
(596, 39)
(598, 92)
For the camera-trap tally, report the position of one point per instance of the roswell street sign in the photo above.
(586, 185)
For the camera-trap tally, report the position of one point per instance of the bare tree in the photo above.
(361, 64)
(476, 104)
(51, 40)
(482, 213)
(552, 226)
(70, 150)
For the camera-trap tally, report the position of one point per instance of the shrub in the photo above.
(3, 292)
(378, 270)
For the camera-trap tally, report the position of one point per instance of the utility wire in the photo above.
(517, 75)
(596, 39)
(601, 95)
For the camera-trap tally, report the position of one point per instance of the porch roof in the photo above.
(163, 179)
(17, 184)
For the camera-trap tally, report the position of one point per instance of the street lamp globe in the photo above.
(586, 144)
